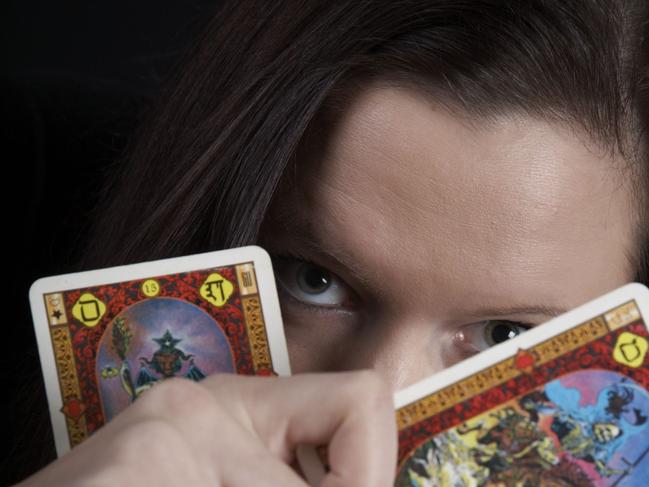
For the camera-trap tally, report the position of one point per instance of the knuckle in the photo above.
(369, 387)
(373, 383)
(220, 380)
(176, 396)
(227, 389)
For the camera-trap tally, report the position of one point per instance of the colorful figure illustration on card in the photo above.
(586, 428)
(157, 339)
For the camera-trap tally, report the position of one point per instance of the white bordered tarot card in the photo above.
(565, 403)
(106, 335)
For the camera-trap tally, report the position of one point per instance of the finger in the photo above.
(352, 411)
(215, 445)
(253, 465)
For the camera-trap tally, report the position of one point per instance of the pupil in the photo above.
(502, 332)
(315, 279)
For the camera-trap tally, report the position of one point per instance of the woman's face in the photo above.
(432, 237)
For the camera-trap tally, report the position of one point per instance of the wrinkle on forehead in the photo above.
(406, 183)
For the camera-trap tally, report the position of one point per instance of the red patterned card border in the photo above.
(589, 345)
(75, 337)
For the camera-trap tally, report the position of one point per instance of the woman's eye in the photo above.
(480, 336)
(312, 284)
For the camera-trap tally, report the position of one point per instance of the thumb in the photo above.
(352, 412)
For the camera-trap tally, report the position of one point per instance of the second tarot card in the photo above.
(564, 404)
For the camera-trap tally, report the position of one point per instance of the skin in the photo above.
(449, 222)
(231, 430)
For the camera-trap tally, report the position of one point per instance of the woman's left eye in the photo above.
(311, 284)
(477, 337)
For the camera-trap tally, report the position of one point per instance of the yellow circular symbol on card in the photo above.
(88, 309)
(630, 349)
(150, 288)
(216, 289)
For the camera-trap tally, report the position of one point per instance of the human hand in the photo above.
(231, 430)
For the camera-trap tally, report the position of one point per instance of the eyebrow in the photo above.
(295, 222)
(353, 268)
(340, 258)
(303, 235)
(521, 310)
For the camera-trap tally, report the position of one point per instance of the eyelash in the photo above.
(320, 309)
(292, 254)
(296, 255)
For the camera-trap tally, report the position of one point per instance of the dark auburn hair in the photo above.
(203, 170)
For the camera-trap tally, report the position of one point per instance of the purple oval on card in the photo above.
(154, 340)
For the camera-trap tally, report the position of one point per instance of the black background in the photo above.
(76, 78)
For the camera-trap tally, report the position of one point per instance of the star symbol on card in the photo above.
(57, 314)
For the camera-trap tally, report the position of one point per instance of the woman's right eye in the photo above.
(477, 337)
(311, 284)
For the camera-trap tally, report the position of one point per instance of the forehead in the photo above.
(402, 182)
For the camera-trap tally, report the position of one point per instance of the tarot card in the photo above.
(105, 336)
(565, 404)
